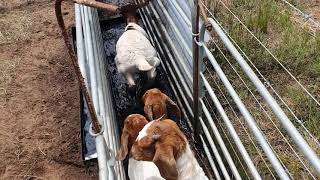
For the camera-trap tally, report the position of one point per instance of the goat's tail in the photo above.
(142, 64)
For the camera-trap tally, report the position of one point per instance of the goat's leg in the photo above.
(152, 74)
(130, 79)
(155, 61)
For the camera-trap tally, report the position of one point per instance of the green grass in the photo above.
(296, 47)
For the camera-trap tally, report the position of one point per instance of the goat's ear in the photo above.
(172, 109)
(155, 138)
(144, 97)
(148, 110)
(164, 160)
(123, 151)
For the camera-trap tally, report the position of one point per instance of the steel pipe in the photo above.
(171, 48)
(155, 33)
(248, 117)
(180, 57)
(220, 141)
(93, 52)
(80, 43)
(253, 170)
(285, 121)
(213, 166)
(215, 150)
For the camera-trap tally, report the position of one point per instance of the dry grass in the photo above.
(7, 74)
(14, 27)
(298, 49)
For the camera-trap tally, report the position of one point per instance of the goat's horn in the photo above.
(160, 117)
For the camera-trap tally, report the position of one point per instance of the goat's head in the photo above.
(161, 142)
(133, 124)
(157, 104)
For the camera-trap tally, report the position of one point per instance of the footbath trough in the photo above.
(180, 38)
(94, 38)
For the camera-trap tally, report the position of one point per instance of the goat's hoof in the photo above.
(132, 88)
(151, 82)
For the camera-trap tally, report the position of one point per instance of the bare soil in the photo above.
(39, 96)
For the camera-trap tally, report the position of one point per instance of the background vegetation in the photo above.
(296, 43)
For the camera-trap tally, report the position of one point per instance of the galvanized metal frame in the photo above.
(91, 58)
(172, 32)
(282, 117)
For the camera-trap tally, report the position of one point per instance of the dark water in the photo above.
(127, 102)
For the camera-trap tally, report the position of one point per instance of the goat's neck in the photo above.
(188, 167)
(131, 18)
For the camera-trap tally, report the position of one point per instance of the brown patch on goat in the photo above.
(157, 104)
(130, 14)
(133, 124)
(163, 144)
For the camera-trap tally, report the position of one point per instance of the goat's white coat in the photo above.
(188, 167)
(143, 132)
(143, 170)
(135, 53)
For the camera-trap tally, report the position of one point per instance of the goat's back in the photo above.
(145, 170)
(133, 43)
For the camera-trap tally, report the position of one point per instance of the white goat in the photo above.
(135, 53)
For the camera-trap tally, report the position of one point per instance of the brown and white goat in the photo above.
(164, 143)
(157, 104)
(137, 170)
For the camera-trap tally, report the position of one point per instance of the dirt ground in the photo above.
(39, 103)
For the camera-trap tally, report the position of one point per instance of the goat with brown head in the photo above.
(133, 124)
(136, 169)
(172, 153)
(158, 104)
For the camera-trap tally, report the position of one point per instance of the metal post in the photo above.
(196, 68)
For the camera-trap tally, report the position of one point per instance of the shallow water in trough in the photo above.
(127, 102)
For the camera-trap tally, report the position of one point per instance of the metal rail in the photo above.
(163, 22)
(182, 47)
(91, 60)
(283, 118)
